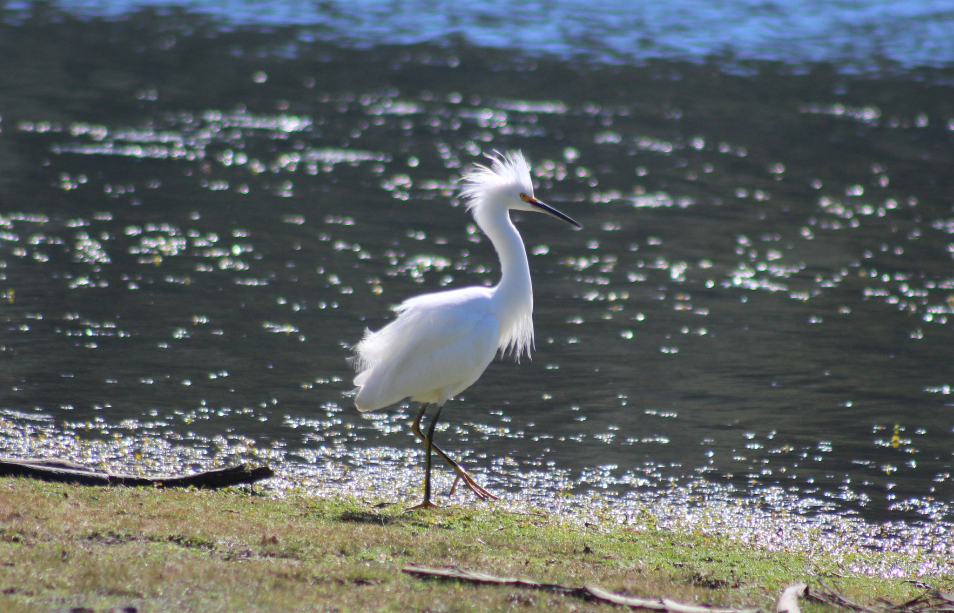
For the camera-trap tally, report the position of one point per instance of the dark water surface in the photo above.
(197, 223)
(855, 35)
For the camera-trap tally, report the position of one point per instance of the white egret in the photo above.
(441, 343)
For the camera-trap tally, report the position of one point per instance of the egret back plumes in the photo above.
(438, 346)
(441, 343)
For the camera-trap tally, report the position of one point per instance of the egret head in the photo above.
(506, 184)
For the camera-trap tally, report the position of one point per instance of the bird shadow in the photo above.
(366, 517)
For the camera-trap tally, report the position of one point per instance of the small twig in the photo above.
(588, 592)
(931, 601)
(827, 595)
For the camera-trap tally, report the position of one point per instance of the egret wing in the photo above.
(433, 352)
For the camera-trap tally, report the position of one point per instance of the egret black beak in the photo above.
(549, 210)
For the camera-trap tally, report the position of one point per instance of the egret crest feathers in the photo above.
(483, 190)
(506, 170)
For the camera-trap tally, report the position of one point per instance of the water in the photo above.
(856, 35)
(196, 227)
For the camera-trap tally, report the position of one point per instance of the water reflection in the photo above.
(762, 297)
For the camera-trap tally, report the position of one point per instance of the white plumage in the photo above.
(438, 346)
(441, 343)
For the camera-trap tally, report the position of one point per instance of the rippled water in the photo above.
(196, 226)
(859, 35)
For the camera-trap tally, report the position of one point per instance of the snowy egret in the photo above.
(441, 343)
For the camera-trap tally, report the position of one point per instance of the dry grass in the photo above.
(64, 545)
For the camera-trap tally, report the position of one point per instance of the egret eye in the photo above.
(524, 197)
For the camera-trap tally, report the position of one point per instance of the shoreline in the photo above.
(770, 519)
(239, 550)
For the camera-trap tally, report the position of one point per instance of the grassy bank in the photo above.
(64, 545)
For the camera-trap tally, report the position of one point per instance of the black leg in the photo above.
(416, 429)
(428, 444)
(462, 474)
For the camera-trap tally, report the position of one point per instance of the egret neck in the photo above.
(513, 295)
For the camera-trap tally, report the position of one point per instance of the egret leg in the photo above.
(462, 475)
(428, 445)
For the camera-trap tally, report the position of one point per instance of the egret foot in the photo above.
(463, 475)
(426, 505)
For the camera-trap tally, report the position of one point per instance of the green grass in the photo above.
(63, 545)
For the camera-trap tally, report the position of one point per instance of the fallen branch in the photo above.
(69, 472)
(588, 592)
(656, 604)
(478, 577)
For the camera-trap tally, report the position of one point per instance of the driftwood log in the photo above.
(931, 600)
(70, 472)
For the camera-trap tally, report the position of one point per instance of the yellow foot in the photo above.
(427, 504)
(472, 485)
